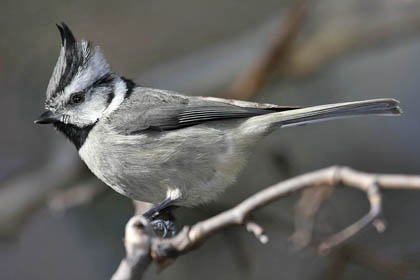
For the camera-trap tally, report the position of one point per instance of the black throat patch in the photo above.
(76, 134)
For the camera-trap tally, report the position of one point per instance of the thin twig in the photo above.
(375, 200)
(306, 209)
(137, 244)
(164, 251)
(257, 230)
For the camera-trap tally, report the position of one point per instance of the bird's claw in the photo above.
(163, 228)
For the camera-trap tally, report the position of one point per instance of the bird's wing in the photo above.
(158, 110)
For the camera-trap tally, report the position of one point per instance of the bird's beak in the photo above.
(48, 117)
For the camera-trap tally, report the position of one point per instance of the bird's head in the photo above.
(82, 87)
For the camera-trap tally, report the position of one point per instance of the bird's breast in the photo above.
(200, 162)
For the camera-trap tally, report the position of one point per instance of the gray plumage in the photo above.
(154, 145)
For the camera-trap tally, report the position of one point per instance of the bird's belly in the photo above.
(147, 171)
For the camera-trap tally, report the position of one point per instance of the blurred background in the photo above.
(58, 222)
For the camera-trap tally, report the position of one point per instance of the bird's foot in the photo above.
(161, 219)
(163, 228)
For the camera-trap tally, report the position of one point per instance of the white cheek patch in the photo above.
(88, 115)
(97, 107)
(88, 112)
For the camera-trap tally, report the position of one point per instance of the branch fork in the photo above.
(143, 247)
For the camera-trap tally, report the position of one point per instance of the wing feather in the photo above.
(149, 109)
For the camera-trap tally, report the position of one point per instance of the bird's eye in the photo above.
(77, 98)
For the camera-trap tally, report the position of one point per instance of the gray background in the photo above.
(166, 44)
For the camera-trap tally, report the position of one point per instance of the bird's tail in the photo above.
(264, 124)
(379, 107)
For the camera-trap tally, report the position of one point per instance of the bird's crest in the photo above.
(78, 66)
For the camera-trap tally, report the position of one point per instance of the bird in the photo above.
(160, 146)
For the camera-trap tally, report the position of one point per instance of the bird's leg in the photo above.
(161, 219)
(157, 209)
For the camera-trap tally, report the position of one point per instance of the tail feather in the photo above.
(383, 107)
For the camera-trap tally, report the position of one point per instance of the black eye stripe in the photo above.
(79, 97)
(104, 80)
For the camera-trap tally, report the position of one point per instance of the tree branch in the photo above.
(143, 246)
